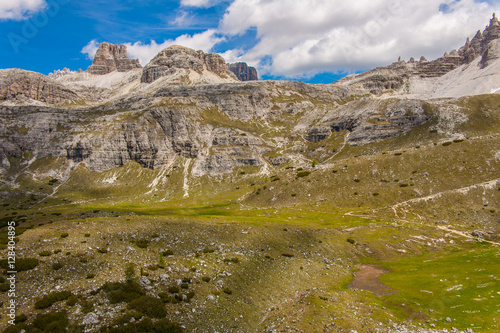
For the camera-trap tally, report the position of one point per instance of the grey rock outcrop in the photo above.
(19, 84)
(175, 57)
(243, 72)
(109, 58)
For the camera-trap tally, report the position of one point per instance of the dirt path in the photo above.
(400, 205)
(367, 279)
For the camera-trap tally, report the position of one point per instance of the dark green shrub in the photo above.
(233, 260)
(350, 240)
(376, 194)
(398, 154)
(275, 179)
(90, 276)
(21, 318)
(227, 291)
(403, 185)
(205, 279)
(161, 261)
(87, 306)
(288, 255)
(72, 300)
(149, 306)
(53, 181)
(57, 266)
(51, 322)
(208, 250)
(22, 264)
(142, 243)
(129, 272)
(184, 286)
(458, 140)
(47, 300)
(447, 144)
(186, 280)
(294, 194)
(335, 171)
(357, 180)
(122, 292)
(4, 287)
(87, 235)
(166, 298)
(303, 174)
(173, 290)
(44, 253)
(102, 250)
(57, 251)
(167, 253)
(64, 235)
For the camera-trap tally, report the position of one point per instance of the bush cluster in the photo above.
(47, 300)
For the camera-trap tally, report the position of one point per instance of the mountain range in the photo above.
(277, 204)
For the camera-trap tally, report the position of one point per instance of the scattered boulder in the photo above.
(90, 319)
(478, 233)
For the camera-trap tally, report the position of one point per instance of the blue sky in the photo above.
(316, 41)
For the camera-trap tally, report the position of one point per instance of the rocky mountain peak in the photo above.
(110, 57)
(243, 72)
(175, 57)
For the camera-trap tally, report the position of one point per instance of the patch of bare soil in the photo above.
(367, 279)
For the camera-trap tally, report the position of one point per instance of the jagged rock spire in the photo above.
(494, 20)
(109, 58)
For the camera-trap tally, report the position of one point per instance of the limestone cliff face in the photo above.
(220, 127)
(109, 58)
(243, 72)
(20, 84)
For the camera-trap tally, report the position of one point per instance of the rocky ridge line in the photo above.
(20, 84)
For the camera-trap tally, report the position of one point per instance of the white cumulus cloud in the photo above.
(305, 37)
(182, 19)
(204, 41)
(90, 49)
(195, 3)
(20, 9)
